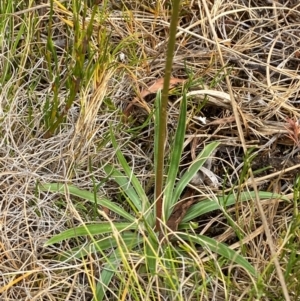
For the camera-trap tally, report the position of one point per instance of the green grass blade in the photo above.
(124, 184)
(113, 261)
(210, 205)
(151, 249)
(144, 203)
(221, 249)
(189, 174)
(106, 243)
(62, 188)
(92, 229)
(106, 276)
(169, 199)
(111, 267)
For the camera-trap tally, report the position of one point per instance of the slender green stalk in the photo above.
(163, 114)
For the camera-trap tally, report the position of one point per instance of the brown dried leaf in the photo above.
(156, 86)
(180, 210)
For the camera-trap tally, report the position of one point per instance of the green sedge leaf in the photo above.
(220, 203)
(193, 169)
(221, 249)
(169, 199)
(143, 199)
(91, 230)
(62, 188)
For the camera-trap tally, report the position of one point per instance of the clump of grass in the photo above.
(83, 61)
(138, 235)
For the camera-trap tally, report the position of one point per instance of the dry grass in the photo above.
(257, 46)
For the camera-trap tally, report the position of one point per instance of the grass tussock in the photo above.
(75, 74)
